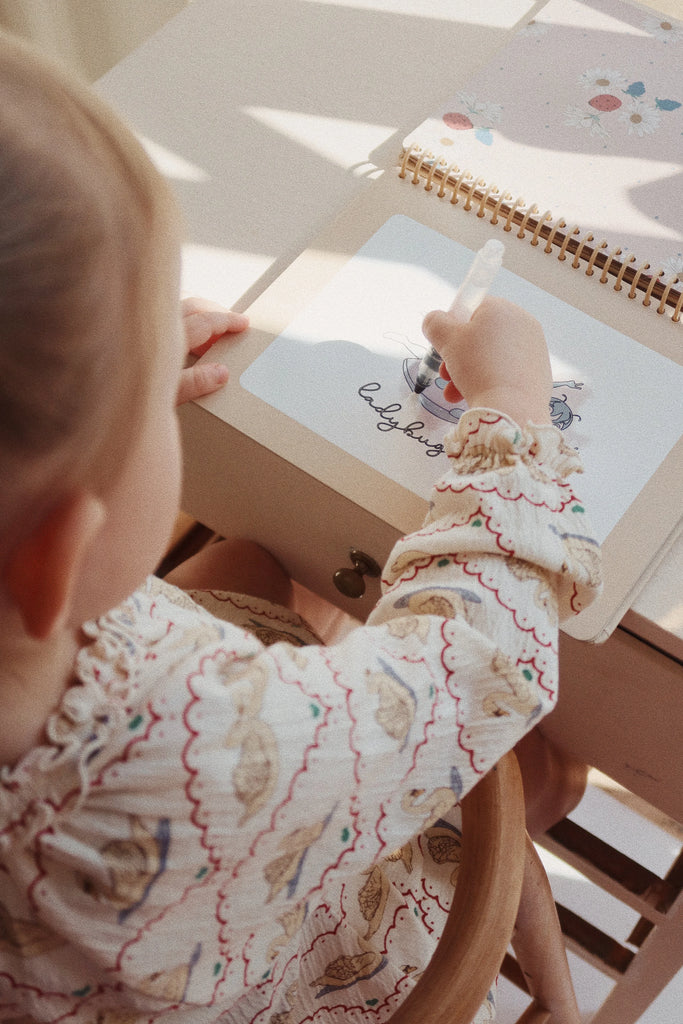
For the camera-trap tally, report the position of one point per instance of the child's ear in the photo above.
(43, 568)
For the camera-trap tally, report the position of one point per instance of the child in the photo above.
(195, 826)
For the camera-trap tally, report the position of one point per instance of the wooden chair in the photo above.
(642, 963)
(501, 881)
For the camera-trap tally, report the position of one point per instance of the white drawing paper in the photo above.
(343, 368)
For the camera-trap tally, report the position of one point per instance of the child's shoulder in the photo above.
(157, 624)
(156, 630)
(139, 653)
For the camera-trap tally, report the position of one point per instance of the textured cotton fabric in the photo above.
(225, 825)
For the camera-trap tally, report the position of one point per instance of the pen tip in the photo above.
(419, 388)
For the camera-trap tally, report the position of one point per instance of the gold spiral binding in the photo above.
(481, 212)
(630, 258)
(662, 305)
(650, 288)
(417, 169)
(518, 204)
(579, 252)
(590, 269)
(444, 178)
(472, 193)
(503, 198)
(639, 273)
(542, 221)
(569, 237)
(523, 227)
(430, 177)
(500, 205)
(555, 232)
(612, 256)
(458, 186)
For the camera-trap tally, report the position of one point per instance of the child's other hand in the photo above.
(204, 323)
(498, 360)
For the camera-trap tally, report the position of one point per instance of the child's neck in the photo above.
(34, 674)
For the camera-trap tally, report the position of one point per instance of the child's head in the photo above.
(88, 290)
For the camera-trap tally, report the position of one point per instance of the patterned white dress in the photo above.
(226, 825)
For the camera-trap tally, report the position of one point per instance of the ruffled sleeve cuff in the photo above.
(509, 493)
(485, 440)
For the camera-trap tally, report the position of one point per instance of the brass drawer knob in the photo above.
(350, 582)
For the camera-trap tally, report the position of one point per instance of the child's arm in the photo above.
(204, 322)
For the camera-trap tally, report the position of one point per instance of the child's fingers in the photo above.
(199, 380)
(498, 359)
(450, 392)
(439, 326)
(196, 304)
(205, 321)
(203, 327)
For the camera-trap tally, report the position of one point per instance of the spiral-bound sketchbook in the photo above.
(327, 370)
(336, 360)
(571, 138)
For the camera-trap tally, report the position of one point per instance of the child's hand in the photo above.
(204, 323)
(498, 360)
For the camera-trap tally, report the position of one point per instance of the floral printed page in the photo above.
(582, 115)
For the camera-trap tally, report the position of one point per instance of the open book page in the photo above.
(344, 368)
(582, 115)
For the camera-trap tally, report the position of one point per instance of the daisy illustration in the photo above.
(603, 80)
(639, 117)
(666, 31)
(579, 117)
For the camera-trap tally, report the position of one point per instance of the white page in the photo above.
(339, 369)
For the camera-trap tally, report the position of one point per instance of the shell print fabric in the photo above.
(232, 822)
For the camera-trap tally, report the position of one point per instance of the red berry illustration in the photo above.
(605, 102)
(459, 122)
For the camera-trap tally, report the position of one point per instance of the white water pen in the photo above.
(469, 295)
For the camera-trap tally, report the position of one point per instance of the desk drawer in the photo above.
(237, 487)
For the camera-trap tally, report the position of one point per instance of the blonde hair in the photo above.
(88, 238)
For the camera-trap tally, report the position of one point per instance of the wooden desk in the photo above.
(266, 130)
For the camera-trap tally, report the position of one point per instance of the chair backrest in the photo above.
(482, 917)
(540, 949)
(502, 898)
